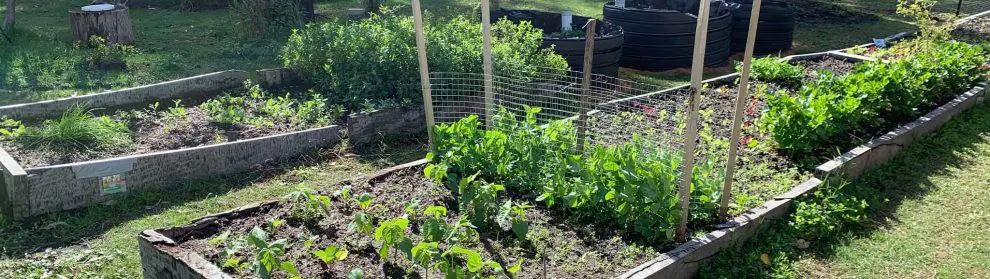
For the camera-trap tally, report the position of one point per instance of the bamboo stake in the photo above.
(691, 130)
(486, 35)
(589, 55)
(739, 114)
(424, 69)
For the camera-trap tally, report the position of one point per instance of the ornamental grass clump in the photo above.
(78, 129)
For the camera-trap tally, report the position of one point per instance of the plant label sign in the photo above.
(113, 184)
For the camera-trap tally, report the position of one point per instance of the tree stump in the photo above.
(114, 26)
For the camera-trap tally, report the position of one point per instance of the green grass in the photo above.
(929, 219)
(44, 64)
(78, 129)
(100, 241)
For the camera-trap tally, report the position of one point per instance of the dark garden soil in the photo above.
(151, 132)
(556, 247)
(975, 32)
(837, 67)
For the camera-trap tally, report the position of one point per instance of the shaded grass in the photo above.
(109, 231)
(927, 218)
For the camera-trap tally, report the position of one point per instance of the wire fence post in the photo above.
(424, 69)
(739, 113)
(589, 55)
(486, 34)
(691, 129)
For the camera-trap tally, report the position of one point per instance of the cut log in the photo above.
(115, 26)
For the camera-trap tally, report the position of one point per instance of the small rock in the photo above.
(803, 244)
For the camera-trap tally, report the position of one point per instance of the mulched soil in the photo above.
(151, 133)
(976, 31)
(837, 67)
(556, 247)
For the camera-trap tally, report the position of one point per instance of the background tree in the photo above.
(8, 19)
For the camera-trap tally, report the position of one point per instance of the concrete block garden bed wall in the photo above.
(34, 191)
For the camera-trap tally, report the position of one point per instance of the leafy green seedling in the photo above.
(331, 254)
(269, 255)
(390, 234)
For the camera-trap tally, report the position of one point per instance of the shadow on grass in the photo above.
(75, 227)
(907, 177)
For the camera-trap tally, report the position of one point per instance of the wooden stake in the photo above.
(589, 56)
(739, 114)
(486, 50)
(424, 69)
(691, 131)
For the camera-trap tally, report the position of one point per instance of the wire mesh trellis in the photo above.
(616, 108)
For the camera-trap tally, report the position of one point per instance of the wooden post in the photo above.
(691, 130)
(424, 69)
(589, 56)
(739, 113)
(486, 50)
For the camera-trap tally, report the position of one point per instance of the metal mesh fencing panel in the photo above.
(963, 7)
(617, 110)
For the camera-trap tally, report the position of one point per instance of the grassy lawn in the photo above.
(42, 63)
(930, 222)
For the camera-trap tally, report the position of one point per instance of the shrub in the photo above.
(635, 188)
(78, 128)
(266, 18)
(376, 59)
(873, 93)
(770, 69)
(105, 55)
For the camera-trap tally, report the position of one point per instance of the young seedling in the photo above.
(512, 216)
(269, 255)
(331, 254)
(306, 205)
(228, 250)
(392, 233)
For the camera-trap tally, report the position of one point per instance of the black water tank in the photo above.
(660, 36)
(608, 39)
(775, 32)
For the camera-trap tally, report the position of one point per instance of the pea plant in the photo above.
(634, 187)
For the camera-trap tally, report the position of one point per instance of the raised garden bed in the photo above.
(557, 246)
(153, 146)
(973, 29)
(570, 44)
(579, 247)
